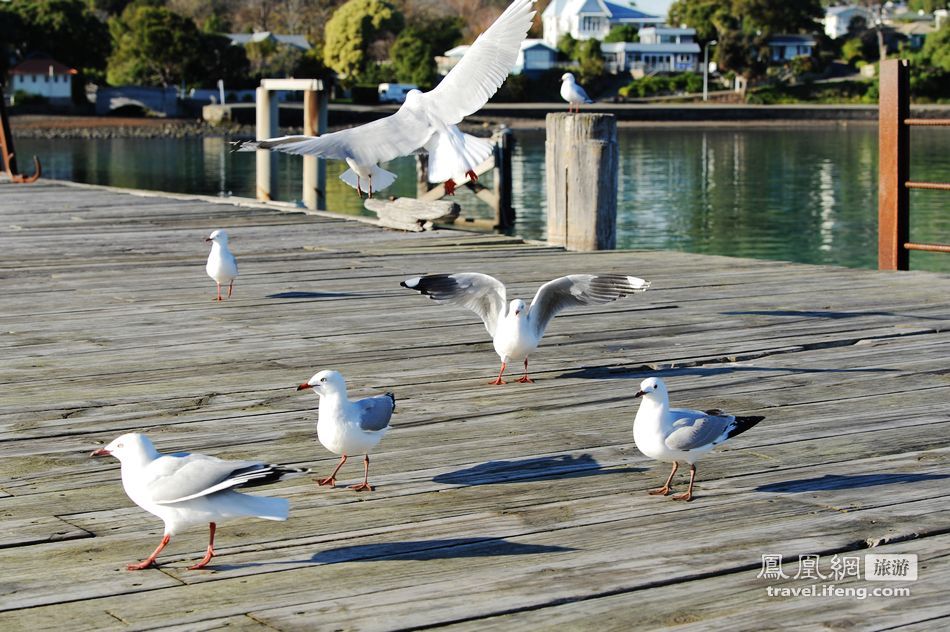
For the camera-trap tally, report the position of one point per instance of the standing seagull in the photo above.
(677, 434)
(517, 330)
(573, 93)
(425, 118)
(221, 266)
(346, 427)
(184, 489)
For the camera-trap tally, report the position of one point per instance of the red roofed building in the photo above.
(43, 76)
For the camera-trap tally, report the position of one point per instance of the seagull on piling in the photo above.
(677, 434)
(425, 119)
(184, 489)
(347, 427)
(573, 93)
(221, 266)
(516, 329)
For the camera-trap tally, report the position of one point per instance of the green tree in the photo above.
(11, 26)
(567, 46)
(351, 31)
(936, 50)
(622, 33)
(927, 6)
(591, 60)
(65, 29)
(412, 58)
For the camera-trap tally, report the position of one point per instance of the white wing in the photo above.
(174, 478)
(483, 68)
(580, 289)
(483, 294)
(396, 135)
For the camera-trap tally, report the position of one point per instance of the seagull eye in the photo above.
(118, 445)
(323, 379)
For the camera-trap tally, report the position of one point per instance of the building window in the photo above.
(590, 24)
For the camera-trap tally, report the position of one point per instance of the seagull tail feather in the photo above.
(261, 506)
(381, 179)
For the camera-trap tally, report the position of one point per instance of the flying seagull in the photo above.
(515, 328)
(573, 93)
(347, 427)
(184, 489)
(677, 434)
(221, 266)
(425, 119)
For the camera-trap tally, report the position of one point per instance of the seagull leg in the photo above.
(524, 378)
(364, 486)
(331, 479)
(230, 287)
(688, 496)
(219, 291)
(370, 186)
(498, 381)
(151, 558)
(209, 553)
(663, 491)
(450, 187)
(359, 191)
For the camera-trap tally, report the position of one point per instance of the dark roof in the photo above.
(778, 40)
(40, 66)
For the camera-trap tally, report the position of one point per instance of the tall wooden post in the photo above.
(314, 169)
(581, 159)
(266, 128)
(504, 212)
(893, 211)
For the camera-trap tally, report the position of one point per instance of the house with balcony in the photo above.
(534, 57)
(590, 19)
(667, 35)
(639, 59)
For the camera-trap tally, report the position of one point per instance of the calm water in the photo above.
(807, 195)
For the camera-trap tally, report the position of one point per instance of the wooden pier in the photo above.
(520, 507)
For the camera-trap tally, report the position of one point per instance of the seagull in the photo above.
(677, 434)
(221, 266)
(572, 92)
(516, 329)
(184, 489)
(347, 427)
(425, 119)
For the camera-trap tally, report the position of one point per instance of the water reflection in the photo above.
(804, 194)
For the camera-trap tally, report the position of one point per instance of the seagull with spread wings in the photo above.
(184, 489)
(679, 434)
(426, 119)
(515, 328)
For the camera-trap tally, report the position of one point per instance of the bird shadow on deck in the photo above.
(719, 368)
(447, 548)
(534, 469)
(831, 315)
(306, 295)
(833, 482)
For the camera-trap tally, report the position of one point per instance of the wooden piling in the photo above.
(504, 211)
(893, 166)
(581, 161)
(266, 128)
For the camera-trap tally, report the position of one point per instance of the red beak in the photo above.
(639, 394)
(304, 387)
(208, 239)
(100, 452)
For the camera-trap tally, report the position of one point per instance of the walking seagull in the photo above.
(221, 266)
(515, 328)
(347, 427)
(676, 434)
(573, 93)
(425, 119)
(184, 489)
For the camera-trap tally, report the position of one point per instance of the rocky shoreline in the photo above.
(95, 127)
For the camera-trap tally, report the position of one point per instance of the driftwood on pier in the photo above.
(412, 214)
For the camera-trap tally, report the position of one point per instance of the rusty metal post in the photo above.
(893, 166)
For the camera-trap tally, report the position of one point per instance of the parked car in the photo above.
(395, 92)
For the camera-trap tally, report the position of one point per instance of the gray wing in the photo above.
(175, 478)
(582, 93)
(483, 294)
(396, 135)
(694, 429)
(375, 412)
(580, 289)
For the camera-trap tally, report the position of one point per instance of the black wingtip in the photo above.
(392, 396)
(744, 423)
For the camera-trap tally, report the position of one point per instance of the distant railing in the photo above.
(894, 183)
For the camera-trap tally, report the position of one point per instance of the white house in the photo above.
(534, 56)
(43, 76)
(590, 19)
(787, 47)
(838, 18)
(243, 39)
(641, 59)
(667, 35)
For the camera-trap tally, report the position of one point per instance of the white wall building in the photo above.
(534, 56)
(243, 39)
(787, 47)
(838, 18)
(667, 35)
(641, 59)
(45, 77)
(590, 19)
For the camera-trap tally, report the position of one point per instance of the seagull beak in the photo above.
(208, 239)
(304, 386)
(100, 452)
(639, 395)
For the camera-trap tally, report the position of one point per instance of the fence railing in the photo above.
(894, 183)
